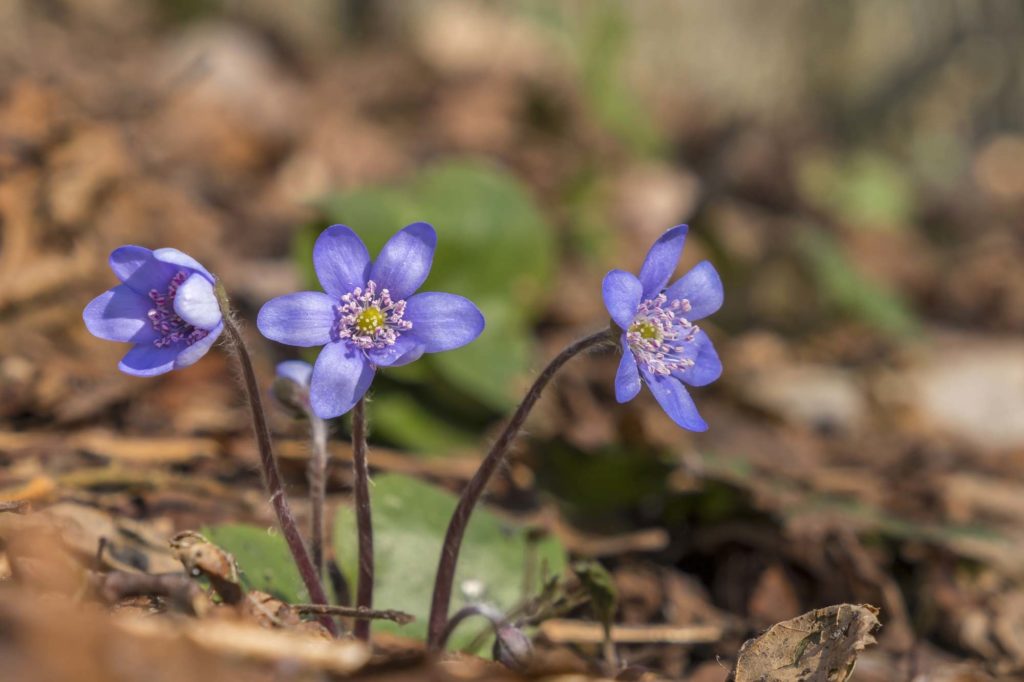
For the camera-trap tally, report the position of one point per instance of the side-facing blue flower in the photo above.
(660, 342)
(370, 315)
(165, 306)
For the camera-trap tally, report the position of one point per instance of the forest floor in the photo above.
(866, 442)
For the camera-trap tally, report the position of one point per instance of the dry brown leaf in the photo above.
(201, 557)
(818, 646)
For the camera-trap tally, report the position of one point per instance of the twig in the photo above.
(561, 631)
(400, 617)
(271, 474)
(364, 521)
(14, 506)
(180, 591)
(476, 486)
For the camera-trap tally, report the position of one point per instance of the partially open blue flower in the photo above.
(370, 315)
(165, 306)
(660, 342)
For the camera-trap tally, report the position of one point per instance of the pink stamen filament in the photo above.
(658, 334)
(171, 327)
(368, 319)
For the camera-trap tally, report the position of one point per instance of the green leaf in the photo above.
(851, 291)
(410, 518)
(263, 560)
(409, 424)
(867, 190)
(603, 48)
(489, 368)
(600, 587)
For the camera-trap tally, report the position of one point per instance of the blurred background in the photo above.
(855, 171)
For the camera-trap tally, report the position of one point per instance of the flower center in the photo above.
(172, 328)
(646, 329)
(659, 333)
(369, 319)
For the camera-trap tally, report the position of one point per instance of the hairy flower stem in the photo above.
(316, 472)
(495, 617)
(268, 462)
(364, 521)
(476, 486)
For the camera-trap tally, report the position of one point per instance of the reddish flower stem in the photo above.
(316, 472)
(364, 521)
(438, 619)
(271, 473)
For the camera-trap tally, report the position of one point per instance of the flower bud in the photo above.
(291, 386)
(512, 648)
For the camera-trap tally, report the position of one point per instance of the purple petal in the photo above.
(662, 260)
(676, 401)
(146, 360)
(396, 353)
(120, 314)
(196, 303)
(412, 356)
(191, 355)
(442, 321)
(702, 287)
(304, 318)
(298, 371)
(627, 378)
(341, 376)
(707, 366)
(404, 262)
(182, 260)
(137, 268)
(622, 293)
(341, 260)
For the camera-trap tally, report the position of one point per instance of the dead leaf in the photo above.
(199, 556)
(819, 646)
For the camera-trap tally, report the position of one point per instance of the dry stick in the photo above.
(476, 486)
(14, 506)
(400, 617)
(317, 475)
(364, 521)
(271, 474)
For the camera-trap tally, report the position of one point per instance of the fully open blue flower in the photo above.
(660, 342)
(370, 315)
(165, 305)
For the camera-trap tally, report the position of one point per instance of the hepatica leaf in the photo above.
(409, 424)
(263, 559)
(494, 247)
(409, 521)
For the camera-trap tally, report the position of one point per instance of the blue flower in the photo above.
(165, 306)
(370, 315)
(297, 371)
(660, 342)
(291, 386)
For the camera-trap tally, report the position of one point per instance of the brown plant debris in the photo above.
(818, 646)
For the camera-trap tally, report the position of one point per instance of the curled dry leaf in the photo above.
(818, 646)
(201, 557)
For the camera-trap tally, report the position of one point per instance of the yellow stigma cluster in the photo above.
(370, 320)
(645, 329)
